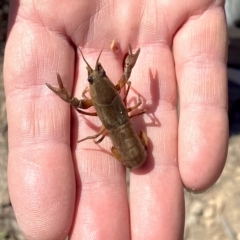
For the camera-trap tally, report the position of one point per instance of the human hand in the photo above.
(59, 187)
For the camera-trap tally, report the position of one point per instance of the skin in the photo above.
(58, 187)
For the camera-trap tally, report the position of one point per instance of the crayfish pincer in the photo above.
(128, 147)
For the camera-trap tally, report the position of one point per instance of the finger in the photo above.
(200, 57)
(40, 171)
(102, 205)
(156, 193)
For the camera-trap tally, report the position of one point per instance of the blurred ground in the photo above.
(213, 215)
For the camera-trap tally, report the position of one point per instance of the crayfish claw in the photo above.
(130, 61)
(60, 83)
(62, 92)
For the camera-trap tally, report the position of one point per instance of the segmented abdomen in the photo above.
(128, 145)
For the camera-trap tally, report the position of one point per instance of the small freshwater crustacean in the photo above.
(128, 147)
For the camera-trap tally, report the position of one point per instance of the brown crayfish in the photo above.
(128, 147)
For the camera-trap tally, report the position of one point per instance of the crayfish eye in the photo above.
(90, 79)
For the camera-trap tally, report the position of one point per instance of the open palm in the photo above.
(59, 187)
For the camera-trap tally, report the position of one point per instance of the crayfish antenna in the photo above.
(88, 66)
(98, 59)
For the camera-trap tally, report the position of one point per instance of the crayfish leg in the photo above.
(116, 154)
(144, 139)
(102, 129)
(121, 83)
(126, 94)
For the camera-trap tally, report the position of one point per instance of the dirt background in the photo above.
(213, 215)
